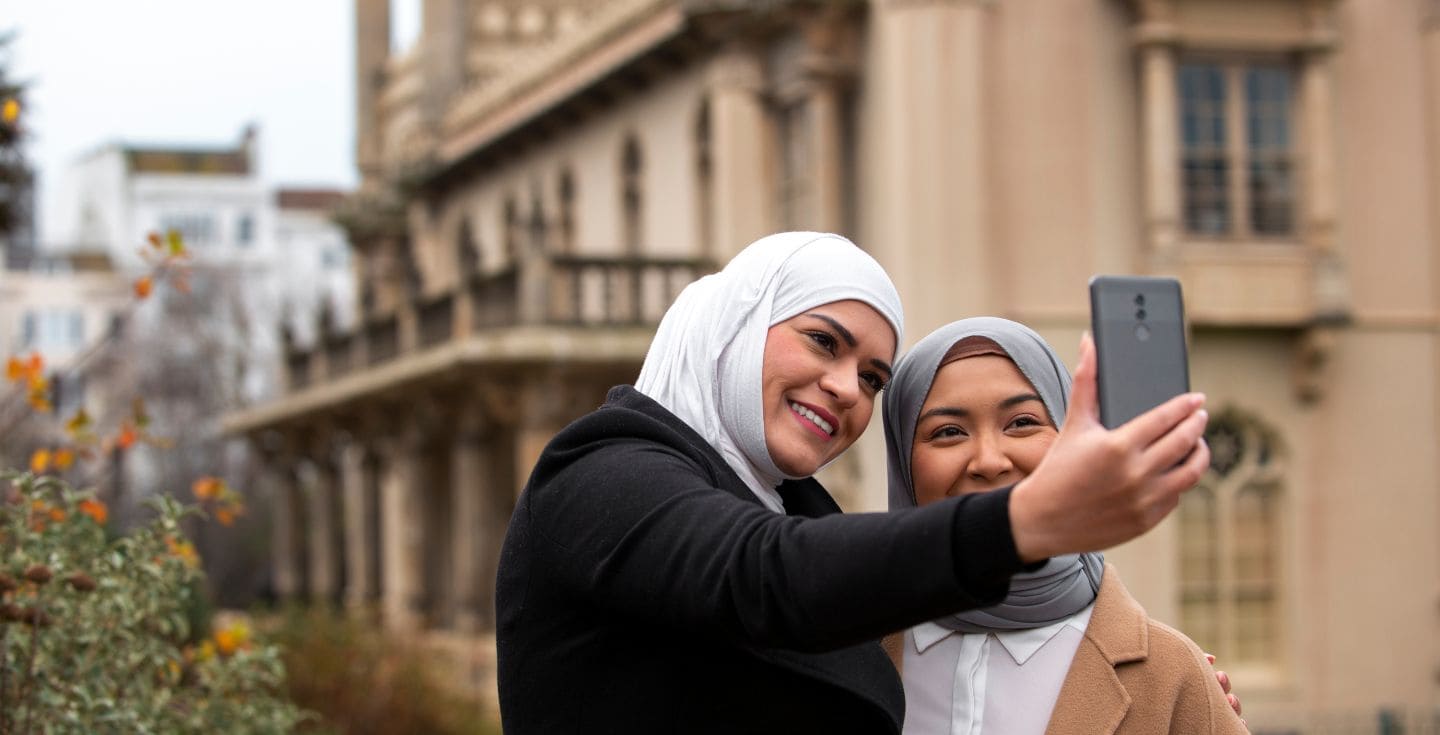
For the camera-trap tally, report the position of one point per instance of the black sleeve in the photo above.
(636, 529)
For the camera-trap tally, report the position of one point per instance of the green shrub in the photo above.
(96, 635)
(363, 682)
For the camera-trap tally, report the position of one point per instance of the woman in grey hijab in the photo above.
(975, 406)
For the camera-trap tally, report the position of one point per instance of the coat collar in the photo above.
(1118, 634)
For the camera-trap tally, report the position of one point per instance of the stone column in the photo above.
(285, 558)
(372, 49)
(400, 529)
(1319, 178)
(741, 176)
(932, 193)
(358, 521)
(828, 69)
(471, 476)
(1155, 35)
(321, 511)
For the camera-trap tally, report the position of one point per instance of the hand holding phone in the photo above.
(1138, 323)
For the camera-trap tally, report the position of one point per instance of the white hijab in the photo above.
(705, 365)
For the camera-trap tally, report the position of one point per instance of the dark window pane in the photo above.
(1205, 169)
(1207, 199)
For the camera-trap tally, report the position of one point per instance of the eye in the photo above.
(824, 340)
(873, 380)
(1026, 421)
(948, 431)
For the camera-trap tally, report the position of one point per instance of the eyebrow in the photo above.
(849, 338)
(961, 413)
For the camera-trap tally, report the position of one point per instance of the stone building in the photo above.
(540, 177)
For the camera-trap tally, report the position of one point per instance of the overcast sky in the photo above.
(189, 72)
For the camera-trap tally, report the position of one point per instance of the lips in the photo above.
(822, 421)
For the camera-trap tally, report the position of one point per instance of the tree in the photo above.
(16, 178)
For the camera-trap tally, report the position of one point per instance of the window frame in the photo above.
(1237, 152)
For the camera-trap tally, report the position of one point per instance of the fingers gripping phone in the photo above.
(1139, 328)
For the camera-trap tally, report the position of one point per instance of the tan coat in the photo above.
(1133, 675)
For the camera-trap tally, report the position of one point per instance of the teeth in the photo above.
(814, 419)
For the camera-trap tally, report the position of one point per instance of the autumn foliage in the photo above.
(98, 631)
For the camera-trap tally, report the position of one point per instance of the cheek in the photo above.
(1029, 454)
(933, 472)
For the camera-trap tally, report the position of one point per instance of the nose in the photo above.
(843, 382)
(990, 462)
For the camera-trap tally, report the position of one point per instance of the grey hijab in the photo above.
(1064, 585)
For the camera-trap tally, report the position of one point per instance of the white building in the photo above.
(272, 252)
(60, 304)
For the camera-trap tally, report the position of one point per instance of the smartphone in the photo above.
(1138, 323)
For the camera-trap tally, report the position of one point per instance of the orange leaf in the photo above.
(143, 286)
(57, 514)
(40, 461)
(127, 436)
(206, 488)
(95, 509)
(14, 370)
(64, 457)
(10, 111)
(225, 516)
(35, 365)
(155, 241)
(77, 423)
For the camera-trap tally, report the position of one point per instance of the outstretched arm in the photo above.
(1098, 487)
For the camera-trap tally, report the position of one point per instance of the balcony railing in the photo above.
(562, 291)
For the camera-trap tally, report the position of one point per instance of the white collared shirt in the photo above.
(966, 684)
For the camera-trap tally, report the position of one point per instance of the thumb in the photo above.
(1084, 405)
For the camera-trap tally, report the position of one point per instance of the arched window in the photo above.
(704, 181)
(537, 229)
(1230, 534)
(566, 194)
(632, 201)
(512, 232)
(467, 251)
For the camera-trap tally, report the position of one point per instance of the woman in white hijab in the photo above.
(974, 407)
(672, 566)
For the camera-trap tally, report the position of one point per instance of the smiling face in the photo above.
(983, 426)
(822, 371)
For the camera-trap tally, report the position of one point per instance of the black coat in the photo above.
(643, 588)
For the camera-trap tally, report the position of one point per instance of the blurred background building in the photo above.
(266, 262)
(541, 177)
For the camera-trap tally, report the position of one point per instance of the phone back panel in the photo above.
(1139, 327)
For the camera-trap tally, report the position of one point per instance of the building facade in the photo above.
(540, 177)
(273, 254)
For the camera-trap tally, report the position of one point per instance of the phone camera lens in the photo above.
(1139, 299)
(1140, 314)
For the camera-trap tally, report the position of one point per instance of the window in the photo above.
(30, 331)
(704, 179)
(53, 329)
(632, 199)
(1238, 148)
(197, 228)
(512, 231)
(538, 230)
(467, 254)
(245, 230)
(1230, 530)
(567, 211)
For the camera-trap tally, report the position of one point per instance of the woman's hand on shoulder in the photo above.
(1096, 487)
